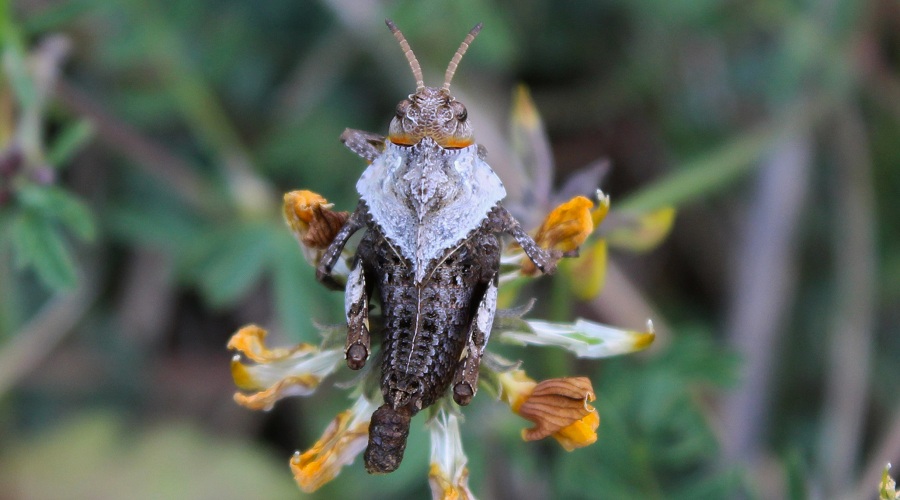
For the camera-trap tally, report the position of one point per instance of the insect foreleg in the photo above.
(465, 379)
(366, 144)
(354, 223)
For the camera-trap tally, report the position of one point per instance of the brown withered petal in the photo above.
(324, 226)
(555, 404)
(311, 219)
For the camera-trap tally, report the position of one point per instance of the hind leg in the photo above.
(465, 379)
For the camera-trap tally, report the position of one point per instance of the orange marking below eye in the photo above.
(404, 140)
(450, 142)
(453, 142)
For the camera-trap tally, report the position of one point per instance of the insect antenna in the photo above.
(460, 52)
(404, 46)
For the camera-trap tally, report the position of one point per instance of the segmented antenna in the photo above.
(460, 52)
(404, 46)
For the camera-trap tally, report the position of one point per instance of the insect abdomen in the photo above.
(388, 431)
(426, 326)
(422, 343)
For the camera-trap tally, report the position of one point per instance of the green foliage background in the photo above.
(141, 227)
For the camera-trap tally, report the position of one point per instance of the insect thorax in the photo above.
(426, 199)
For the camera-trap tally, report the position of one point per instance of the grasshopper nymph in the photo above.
(430, 206)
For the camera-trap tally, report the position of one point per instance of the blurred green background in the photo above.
(145, 145)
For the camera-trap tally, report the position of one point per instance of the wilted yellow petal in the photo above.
(642, 340)
(443, 488)
(585, 338)
(448, 475)
(579, 434)
(516, 387)
(302, 204)
(587, 274)
(567, 226)
(277, 373)
(558, 406)
(251, 342)
(887, 490)
(291, 386)
(242, 376)
(311, 219)
(599, 214)
(645, 232)
(564, 229)
(344, 439)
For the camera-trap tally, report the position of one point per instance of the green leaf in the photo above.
(163, 222)
(232, 261)
(70, 140)
(56, 203)
(11, 307)
(293, 279)
(15, 66)
(725, 484)
(54, 17)
(38, 244)
(795, 476)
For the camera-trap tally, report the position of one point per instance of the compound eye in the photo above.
(459, 111)
(403, 108)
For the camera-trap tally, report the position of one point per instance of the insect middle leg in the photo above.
(465, 379)
(356, 307)
(503, 222)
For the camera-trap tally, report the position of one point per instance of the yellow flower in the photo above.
(448, 474)
(580, 433)
(276, 373)
(568, 226)
(344, 439)
(642, 231)
(312, 221)
(587, 273)
(558, 407)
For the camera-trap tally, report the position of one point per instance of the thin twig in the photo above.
(250, 193)
(725, 164)
(313, 77)
(885, 89)
(153, 157)
(762, 292)
(847, 376)
(34, 341)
